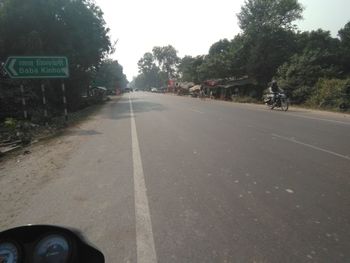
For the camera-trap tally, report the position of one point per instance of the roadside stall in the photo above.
(194, 91)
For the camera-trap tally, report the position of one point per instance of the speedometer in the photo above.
(52, 249)
(8, 253)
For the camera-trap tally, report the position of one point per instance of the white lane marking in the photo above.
(146, 252)
(318, 119)
(311, 146)
(290, 191)
(254, 107)
(198, 111)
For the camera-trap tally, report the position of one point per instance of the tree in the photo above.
(150, 74)
(344, 35)
(221, 47)
(189, 68)
(147, 63)
(111, 75)
(268, 36)
(319, 58)
(257, 14)
(75, 29)
(301, 73)
(167, 59)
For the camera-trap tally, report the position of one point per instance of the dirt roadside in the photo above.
(25, 172)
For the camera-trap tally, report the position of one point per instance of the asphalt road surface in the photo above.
(162, 178)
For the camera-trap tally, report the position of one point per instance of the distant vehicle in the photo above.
(154, 90)
(136, 89)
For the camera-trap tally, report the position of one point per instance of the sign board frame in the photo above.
(10, 65)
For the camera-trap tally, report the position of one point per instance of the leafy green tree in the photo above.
(167, 59)
(150, 74)
(221, 47)
(218, 64)
(189, 68)
(75, 29)
(344, 35)
(110, 74)
(147, 63)
(257, 14)
(319, 58)
(268, 36)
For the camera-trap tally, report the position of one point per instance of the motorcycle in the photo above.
(46, 244)
(279, 100)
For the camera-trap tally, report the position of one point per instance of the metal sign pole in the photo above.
(25, 114)
(64, 102)
(44, 103)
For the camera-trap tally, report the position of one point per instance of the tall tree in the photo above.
(150, 74)
(75, 29)
(344, 35)
(147, 63)
(189, 68)
(167, 59)
(110, 74)
(257, 14)
(268, 35)
(319, 57)
(221, 47)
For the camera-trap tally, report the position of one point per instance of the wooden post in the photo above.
(64, 102)
(25, 114)
(44, 103)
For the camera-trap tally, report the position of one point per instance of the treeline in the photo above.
(156, 68)
(312, 67)
(72, 28)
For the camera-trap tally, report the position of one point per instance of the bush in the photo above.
(331, 94)
(244, 99)
(11, 124)
(301, 94)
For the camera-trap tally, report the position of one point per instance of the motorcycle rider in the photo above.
(274, 90)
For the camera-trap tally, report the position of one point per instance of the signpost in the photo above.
(39, 67)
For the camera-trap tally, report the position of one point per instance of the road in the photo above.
(162, 178)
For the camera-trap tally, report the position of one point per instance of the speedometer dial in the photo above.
(8, 253)
(52, 249)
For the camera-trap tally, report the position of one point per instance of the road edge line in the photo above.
(146, 252)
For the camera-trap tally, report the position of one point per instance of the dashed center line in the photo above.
(198, 111)
(319, 119)
(312, 146)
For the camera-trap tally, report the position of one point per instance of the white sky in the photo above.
(192, 26)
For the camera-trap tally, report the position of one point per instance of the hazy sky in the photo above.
(191, 26)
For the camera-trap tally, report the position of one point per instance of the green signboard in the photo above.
(37, 67)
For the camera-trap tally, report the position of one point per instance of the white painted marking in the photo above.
(146, 252)
(198, 111)
(290, 191)
(318, 119)
(312, 146)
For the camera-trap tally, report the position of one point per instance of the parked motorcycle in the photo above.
(45, 244)
(279, 100)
